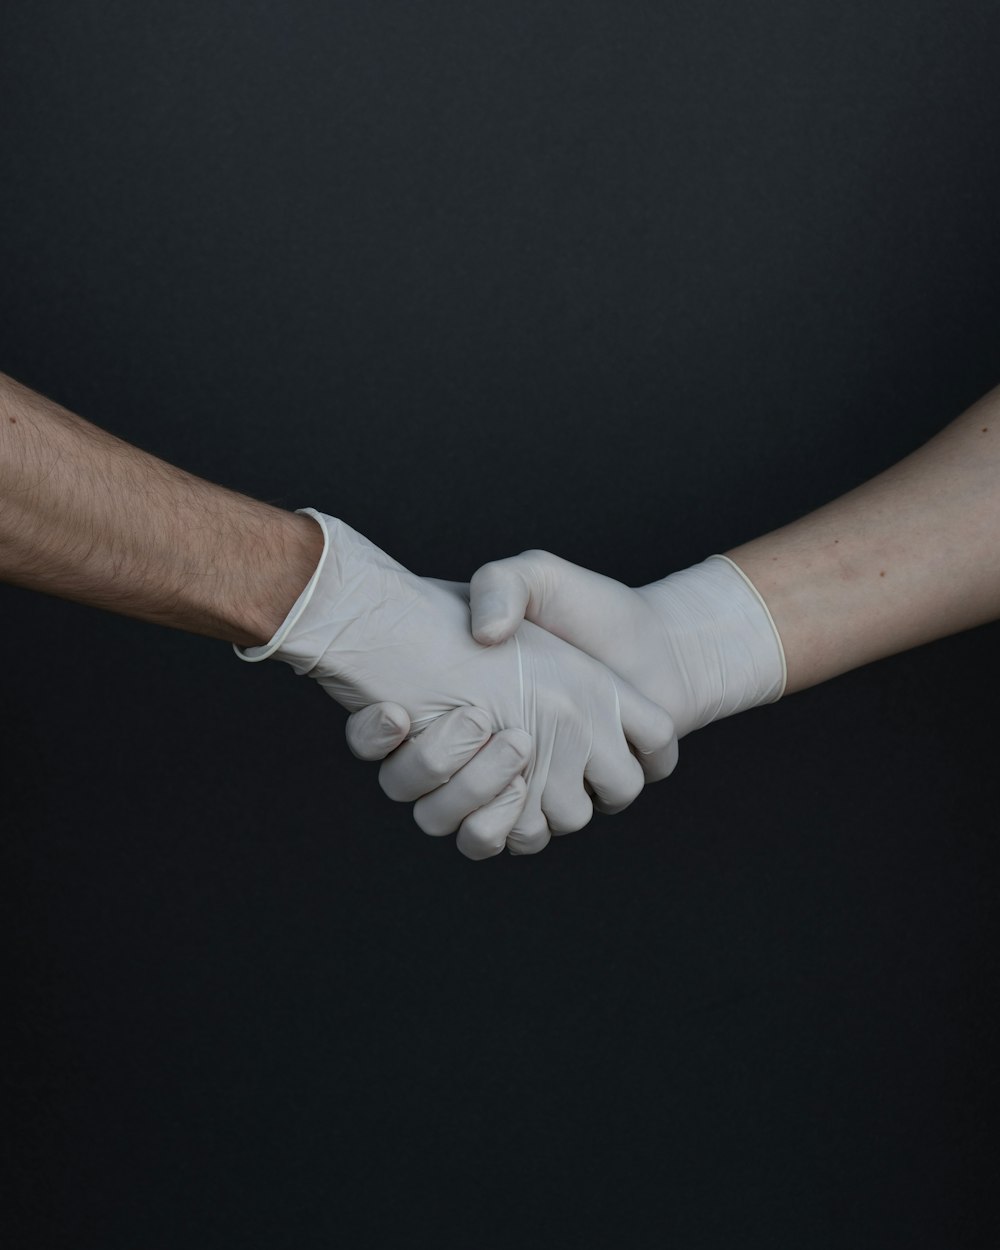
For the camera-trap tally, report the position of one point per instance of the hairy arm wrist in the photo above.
(88, 517)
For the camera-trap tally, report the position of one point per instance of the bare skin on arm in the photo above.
(87, 517)
(910, 556)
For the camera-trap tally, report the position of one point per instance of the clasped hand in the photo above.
(570, 734)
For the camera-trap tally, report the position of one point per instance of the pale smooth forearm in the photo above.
(88, 517)
(910, 556)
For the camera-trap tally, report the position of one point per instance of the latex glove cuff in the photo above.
(271, 648)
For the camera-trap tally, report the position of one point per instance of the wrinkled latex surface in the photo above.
(367, 629)
(700, 642)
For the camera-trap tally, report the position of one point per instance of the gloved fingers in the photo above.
(429, 759)
(483, 778)
(614, 775)
(650, 730)
(484, 833)
(531, 832)
(535, 586)
(659, 764)
(376, 730)
(499, 596)
(563, 818)
(566, 805)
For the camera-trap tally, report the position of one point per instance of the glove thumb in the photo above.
(499, 595)
(376, 730)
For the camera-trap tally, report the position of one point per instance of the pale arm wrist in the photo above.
(88, 517)
(910, 556)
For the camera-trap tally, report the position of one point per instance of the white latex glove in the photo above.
(368, 630)
(701, 642)
(484, 793)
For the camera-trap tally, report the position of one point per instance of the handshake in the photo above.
(510, 708)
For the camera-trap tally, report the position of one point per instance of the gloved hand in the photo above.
(485, 791)
(700, 643)
(368, 630)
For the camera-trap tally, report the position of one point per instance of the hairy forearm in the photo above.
(88, 517)
(910, 556)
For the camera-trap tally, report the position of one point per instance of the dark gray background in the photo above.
(632, 282)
